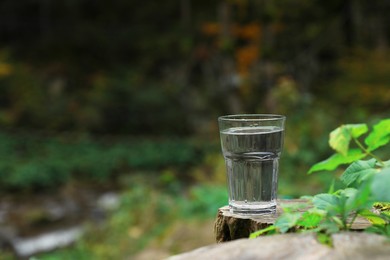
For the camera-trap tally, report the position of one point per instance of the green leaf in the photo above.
(337, 159)
(340, 137)
(325, 201)
(339, 140)
(382, 206)
(334, 204)
(348, 192)
(338, 221)
(287, 221)
(379, 229)
(356, 130)
(325, 239)
(311, 219)
(379, 136)
(329, 226)
(380, 186)
(359, 199)
(331, 187)
(358, 171)
(262, 231)
(385, 163)
(386, 215)
(372, 217)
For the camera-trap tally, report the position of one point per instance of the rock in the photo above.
(7, 234)
(108, 201)
(186, 235)
(349, 245)
(45, 242)
(151, 253)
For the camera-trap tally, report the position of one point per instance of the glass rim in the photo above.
(251, 117)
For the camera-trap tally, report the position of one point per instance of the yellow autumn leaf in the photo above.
(5, 69)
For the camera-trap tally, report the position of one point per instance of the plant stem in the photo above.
(353, 220)
(368, 152)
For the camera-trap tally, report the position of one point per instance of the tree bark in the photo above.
(229, 226)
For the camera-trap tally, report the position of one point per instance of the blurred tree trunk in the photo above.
(352, 22)
(229, 73)
(224, 20)
(185, 10)
(44, 21)
(379, 25)
(364, 22)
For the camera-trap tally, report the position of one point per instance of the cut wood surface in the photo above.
(229, 226)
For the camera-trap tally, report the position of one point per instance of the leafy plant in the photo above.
(366, 182)
(32, 162)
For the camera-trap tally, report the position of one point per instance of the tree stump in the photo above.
(229, 226)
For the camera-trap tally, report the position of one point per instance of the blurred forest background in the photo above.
(108, 110)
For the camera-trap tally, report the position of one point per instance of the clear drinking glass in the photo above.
(251, 145)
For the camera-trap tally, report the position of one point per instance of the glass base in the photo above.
(253, 208)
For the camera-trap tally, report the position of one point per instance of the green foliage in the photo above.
(205, 201)
(337, 159)
(381, 225)
(287, 221)
(30, 162)
(379, 136)
(109, 73)
(268, 230)
(380, 185)
(366, 182)
(325, 239)
(358, 171)
(340, 140)
(310, 219)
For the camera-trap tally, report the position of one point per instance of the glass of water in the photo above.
(251, 145)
